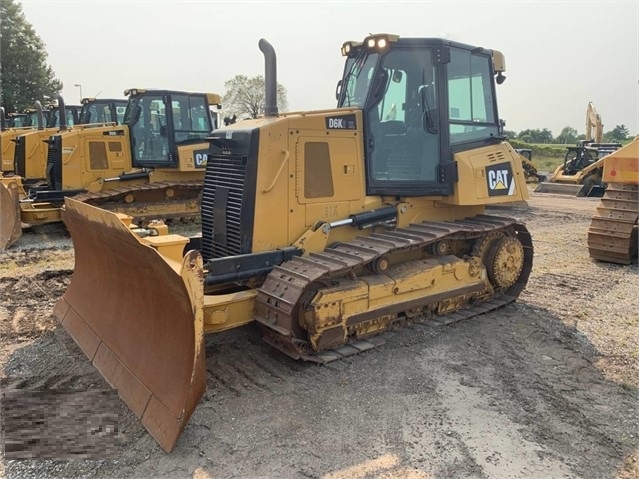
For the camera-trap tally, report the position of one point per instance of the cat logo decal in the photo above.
(501, 181)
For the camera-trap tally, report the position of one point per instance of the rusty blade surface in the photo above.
(10, 226)
(138, 318)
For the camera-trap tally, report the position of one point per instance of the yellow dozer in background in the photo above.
(39, 122)
(612, 235)
(150, 167)
(326, 228)
(33, 119)
(30, 157)
(530, 170)
(36, 122)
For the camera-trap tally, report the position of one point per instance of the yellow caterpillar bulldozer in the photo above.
(33, 119)
(150, 167)
(326, 228)
(612, 236)
(530, 170)
(28, 171)
(582, 169)
(38, 119)
(30, 157)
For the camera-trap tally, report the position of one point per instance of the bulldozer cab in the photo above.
(32, 118)
(161, 121)
(102, 110)
(525, 152)
(16, 120)
(72, 115)
(422, 101)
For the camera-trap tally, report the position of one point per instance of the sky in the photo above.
(560, 55)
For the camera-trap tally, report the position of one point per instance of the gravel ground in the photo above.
(545, 387)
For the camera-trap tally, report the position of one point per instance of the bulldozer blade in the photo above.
(559, 188)
(138, 318)
(10, 225)
(597, 191)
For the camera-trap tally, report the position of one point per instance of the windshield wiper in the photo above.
(359, 61)
(430, 125)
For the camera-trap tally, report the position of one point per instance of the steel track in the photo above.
(612, 235)
(288, 285)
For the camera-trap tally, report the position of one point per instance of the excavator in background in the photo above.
(593, 122)
(612, 236)
(530, 170)
(326, 228)
(150, 167)
(582, 169)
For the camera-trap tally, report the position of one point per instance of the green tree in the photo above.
(618, 133)
(510, 134)
(568, 136)
(536, 136)
(246, 97)
(25, 76)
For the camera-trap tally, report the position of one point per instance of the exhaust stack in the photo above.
(38, 106)
(62, 113)
(270, 78)
(3, 124)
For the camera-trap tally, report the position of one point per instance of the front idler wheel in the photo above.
(504, 261)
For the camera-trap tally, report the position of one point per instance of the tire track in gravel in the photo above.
(550, 388)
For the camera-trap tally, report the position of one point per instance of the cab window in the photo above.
(402, 137)
(191, 118)
(147, 119)
(471, 113)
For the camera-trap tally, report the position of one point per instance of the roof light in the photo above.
(134, 91)
(380, 41)
(348, 47)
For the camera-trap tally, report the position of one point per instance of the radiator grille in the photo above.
(54, 163)
(20, 157)
(225, 176)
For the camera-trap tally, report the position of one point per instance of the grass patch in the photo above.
(546, 157)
